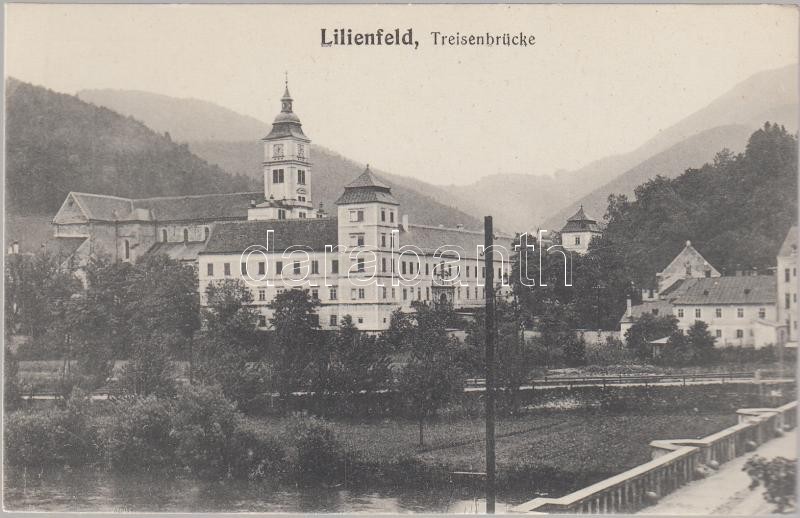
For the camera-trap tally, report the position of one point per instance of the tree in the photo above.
(556, 330)
(677, 350)
(297, 341)
(702, 343)
(431, 376)
(736, 210)
(647, 328)
(514, 357)
(355, 361)
(164, 299)
(12, 390)
(34, 286)
(150, 370)
(229, 346)
(574, 350)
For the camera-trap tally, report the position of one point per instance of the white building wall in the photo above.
(787, 295)
(754, 330)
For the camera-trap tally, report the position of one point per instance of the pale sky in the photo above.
(600, 80)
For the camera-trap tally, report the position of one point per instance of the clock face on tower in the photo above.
(277, 151)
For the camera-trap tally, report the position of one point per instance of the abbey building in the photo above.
(364, 259)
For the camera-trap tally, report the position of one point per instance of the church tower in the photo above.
(287, 168)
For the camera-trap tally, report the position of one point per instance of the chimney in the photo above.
(405, 222)
(629, 311)
(15, 247)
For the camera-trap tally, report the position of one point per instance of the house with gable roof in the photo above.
(739, 310)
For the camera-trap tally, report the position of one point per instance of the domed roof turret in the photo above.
(286, 123)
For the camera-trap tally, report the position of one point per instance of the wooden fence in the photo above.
(675, 463)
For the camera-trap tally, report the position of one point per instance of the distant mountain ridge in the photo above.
(56, 143)
(184, 119)
(766, 96)
(672, 162)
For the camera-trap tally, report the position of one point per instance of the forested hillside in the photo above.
(735, 210)
(57, 143)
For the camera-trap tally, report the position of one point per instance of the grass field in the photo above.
(571, 449)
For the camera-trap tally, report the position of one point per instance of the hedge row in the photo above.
(200, 433)
(656, 398)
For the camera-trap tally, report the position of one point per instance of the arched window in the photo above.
(208, 233)
(164, 235)
(127, 250)
(185, 234)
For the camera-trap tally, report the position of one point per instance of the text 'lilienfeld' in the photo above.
(394, 37)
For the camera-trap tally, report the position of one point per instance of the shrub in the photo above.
(778, 476)
(42, 438)
(256, 457)
(138, 436)
(318, 453)
(612, 352)
(203, 423)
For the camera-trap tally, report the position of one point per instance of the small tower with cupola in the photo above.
(579, 231)
(287, 168)
(367, 214)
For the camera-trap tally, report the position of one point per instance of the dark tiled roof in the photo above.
(662, 307)
(236, 236)
(205, 206)
(281, 129)
(366, 188)
(168, 208)
(580, 216)
(179, 251)
(351, 196)
(693, 257)
(102, 207)
(756, 289)
(366, 179)
(789, 246)
(429, 239)
(581, 226)
(673, 289)
(580, 222)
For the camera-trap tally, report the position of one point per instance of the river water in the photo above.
(93, 490)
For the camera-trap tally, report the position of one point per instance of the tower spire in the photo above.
(286, 100)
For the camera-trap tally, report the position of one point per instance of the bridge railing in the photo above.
(675, 463)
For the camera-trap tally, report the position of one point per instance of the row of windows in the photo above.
(786, 275)
(333, 320)
(357, 215)
(278, 177)
(262, 268)
(406, 268)
(360, 293)
(302, 214)
(787, 299)
(739, 333)
(718, 313)
(165, 235)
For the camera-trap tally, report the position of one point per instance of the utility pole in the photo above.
(488, 255)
